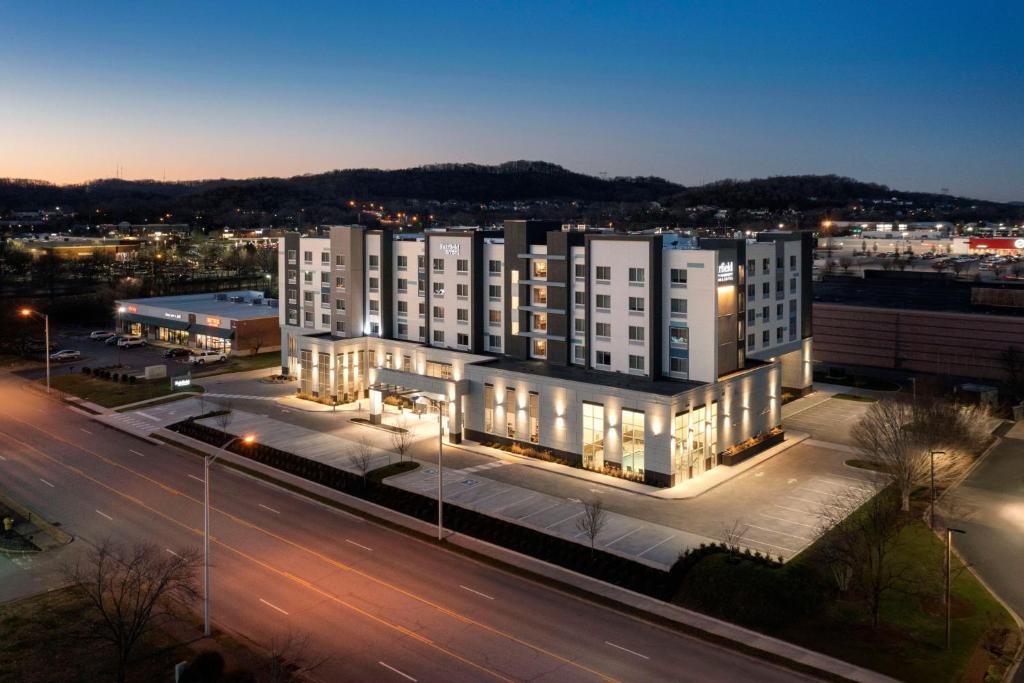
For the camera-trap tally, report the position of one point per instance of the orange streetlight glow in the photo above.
(26, 311)
(249, 440)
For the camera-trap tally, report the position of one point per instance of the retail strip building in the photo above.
(656, 356)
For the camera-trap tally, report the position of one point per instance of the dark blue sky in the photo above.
(917, 95)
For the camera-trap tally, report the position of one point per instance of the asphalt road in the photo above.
(383, 606)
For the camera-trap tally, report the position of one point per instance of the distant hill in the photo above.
(323, 196)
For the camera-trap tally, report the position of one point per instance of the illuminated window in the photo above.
(510, 413)
(593, 434)
(632, 440)
(534, 411)
(488, 407)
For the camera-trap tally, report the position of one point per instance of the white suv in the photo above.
(204, 357)
(129, 342)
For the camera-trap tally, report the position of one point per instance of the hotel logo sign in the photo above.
(449, 248)
(725, 272)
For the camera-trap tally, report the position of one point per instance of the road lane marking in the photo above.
(172, 552)
(130, 450)
(196, 478)
(139, 412)
(391, 668)
(482, 595)
(273, 606)
(458, 616)
(47, 483)
(85, 430)
(2, 457)
(104, 514)
(269, 508)
(626, 649)
(358, 545)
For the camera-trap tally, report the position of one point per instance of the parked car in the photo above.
(204, 357)
(65, 355)
(101, 335)
(177, 352)
(130, 342)
(110, 341)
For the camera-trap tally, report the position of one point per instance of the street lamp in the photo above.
(932, 512)
(28, 312)
(120, 310)
(207, 461)
(949, 570)
(440, 405)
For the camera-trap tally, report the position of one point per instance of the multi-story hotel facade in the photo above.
(653, 355)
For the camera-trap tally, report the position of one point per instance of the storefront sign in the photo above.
(175, 316)
(725, 274)
(181, 381)
(133, 309)
(212, 322)
(449, 248)
(997, 243)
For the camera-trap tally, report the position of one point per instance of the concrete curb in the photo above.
(60, 536)
(743, 637)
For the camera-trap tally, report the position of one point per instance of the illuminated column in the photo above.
(376, 406)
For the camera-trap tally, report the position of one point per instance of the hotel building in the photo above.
(656, 356)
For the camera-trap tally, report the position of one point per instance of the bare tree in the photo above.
(859, 545)
(225, 418)
(845, 262)
(940, 266)
(957, 266)
(592, 521)
(401, 440)
(360, 457)
(131, 591)
(830, 266)
(258, 341)
(899, 437)
(732, 534)
(289, 657)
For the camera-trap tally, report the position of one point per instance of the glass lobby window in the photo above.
(488, 407)
(632, 440)
(305, 370)
(440, 370)
(534, 410)
(593, 434)
(510, 413)
(324, 374)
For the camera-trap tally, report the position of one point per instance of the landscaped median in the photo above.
(110, 393)
(813, 601)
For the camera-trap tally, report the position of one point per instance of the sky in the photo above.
(915, 95)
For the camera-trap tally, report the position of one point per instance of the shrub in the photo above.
(132, 379)
(206, 667)
(86, 370)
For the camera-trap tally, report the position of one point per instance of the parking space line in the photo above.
(659, 543)
(482, 595)
(492, 495)
(748, 539)
(626, 649)
(572, 516)
(783, 519)
(802, 512)
(631, 531)
(537, 512)
(521, 500)
(774, 531)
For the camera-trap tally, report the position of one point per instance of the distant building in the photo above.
(66, 247)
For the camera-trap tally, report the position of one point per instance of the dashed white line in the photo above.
(631, 531)
(47, 483)
(85, 430)
(172, 552)
(273, 606)
(400, 673)
(199, 479)
(626, 649)
(276, 512)
(141, 455)
(659, 543)
(482, 595)
(358, 545)
(104, 514)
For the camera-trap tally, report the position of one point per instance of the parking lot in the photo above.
(828, 420)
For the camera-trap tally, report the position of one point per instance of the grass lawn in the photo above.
(910, 642)
(270, 359)
(110, 394)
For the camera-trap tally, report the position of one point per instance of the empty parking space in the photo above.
(829, 420)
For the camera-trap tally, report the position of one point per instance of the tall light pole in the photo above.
(440, 405)
(949, 570)
(207, 461)
(27, 312)
(120, 310)
(931, 515)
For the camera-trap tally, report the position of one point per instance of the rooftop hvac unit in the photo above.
(256, 301)
(236, 299)
(220, 297)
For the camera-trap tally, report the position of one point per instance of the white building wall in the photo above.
(373, 304)
(450, 249)
(412, 321)
(620, 256)
(700, 319)
(494, 250)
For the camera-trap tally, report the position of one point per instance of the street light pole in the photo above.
(949, 570)
(440, 474)
(931, 514)
(46, 339)
(207, 461)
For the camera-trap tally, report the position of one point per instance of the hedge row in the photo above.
(103, 373)
(573, 556)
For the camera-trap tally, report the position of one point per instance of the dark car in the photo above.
(111, 341)
(176, 352)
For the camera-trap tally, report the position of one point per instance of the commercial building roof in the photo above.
(573, 373)
(916, 291)
(239, 305)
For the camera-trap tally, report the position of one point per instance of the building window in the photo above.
(488, 407)
(339, 260)
(325, 299)
(307, 277)
(603, 302)
(374, 306)
(462, 315)
(792, 285)
(325, 319)
(510, 413)
(636, 276)
(403, 329)
(494, 292)
(766, 265)
(402, 262)
(677, 277)
(751, 292)
(438, 312)
(636, 333)
(593, 434)
(632, 440)
(438, 288)
(462, 265)
(494, 341)
(339, 282)
(307, 297)
(339, 327)
(494, 267)
(766, 338)
(603, 358)
(403, 308)
(462, 339)
(374, 261)
(766, 289)
(678, 308)
(580, 325)
(780, 334)
(375, 328)
(604, 273)
(679, 336)
(636, 363)
(374, 283)
(679, 366)
(291, 256)
(439, 336)
(534, 414)
(603, 330)
(494, 318)
(403, 285)
(580, 298)
(751, 267)
(325, 258)
(439, 370)
(307, 257)
(539, 348)
(539, 296)
(751, 316)
(462, 291)
(579, 353)
(778, 311)
(540, 269)
(636, 304)
(438, 265)
(580, 270)
(751, 340)
(325, 278)
(339, 304)
(792, 262)
(305, 371)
